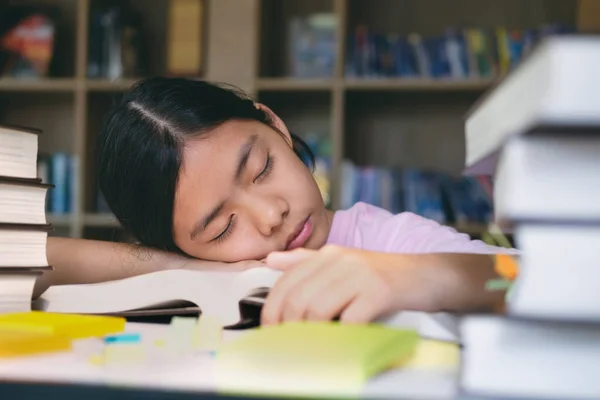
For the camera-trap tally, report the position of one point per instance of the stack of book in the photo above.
(23, 226)
(538, 134)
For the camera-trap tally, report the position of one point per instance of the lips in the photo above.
(300, 235)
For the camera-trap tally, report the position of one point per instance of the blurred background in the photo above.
(378, 88)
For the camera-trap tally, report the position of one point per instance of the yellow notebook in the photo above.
(71, 325)
(322, 359)
(14, 343)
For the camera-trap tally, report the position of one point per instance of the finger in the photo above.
(273, 308)
(272, 311)
(332, 300)
(362, 309)
(287, 259)
(303, 300)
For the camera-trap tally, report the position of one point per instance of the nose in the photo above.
(267, 212)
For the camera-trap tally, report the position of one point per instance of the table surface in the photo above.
(69, 373)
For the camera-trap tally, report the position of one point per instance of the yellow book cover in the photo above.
(15, 343)
(71, 325)
(310, 358)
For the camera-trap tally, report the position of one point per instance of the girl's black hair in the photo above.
(140, 148)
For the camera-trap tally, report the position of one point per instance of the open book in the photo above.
(234, 297)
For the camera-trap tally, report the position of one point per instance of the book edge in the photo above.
(36, 182)
(38, 271)
(9, 226)
(21, 129)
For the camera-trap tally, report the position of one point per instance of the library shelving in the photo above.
(387, 122)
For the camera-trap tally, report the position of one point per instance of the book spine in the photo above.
(59, 166)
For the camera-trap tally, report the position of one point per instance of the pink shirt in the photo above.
(371, 228)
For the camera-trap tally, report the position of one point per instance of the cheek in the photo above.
(238, 247)
(245, 243)
(245, 251)
(297, 181)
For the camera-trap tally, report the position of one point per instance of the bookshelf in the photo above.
(387, 121)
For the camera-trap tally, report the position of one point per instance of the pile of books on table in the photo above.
(23, 225)
(538, 134)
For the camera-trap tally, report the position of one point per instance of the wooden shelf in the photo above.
(38, 85)
(374, 84)
(63, 85)
(289, 84)
(419, 84)
(104, 220)
(102, 85)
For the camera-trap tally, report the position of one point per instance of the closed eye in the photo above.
(268, 168)
(227, 231)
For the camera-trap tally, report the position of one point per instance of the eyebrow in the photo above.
(200, 226)
(243, 157)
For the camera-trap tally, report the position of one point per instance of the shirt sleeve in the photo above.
(379, 230)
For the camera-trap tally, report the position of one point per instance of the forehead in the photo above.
(209, 164)
(226, 138)
(218, 147)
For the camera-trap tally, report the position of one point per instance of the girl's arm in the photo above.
(359, 285)
(90, 261)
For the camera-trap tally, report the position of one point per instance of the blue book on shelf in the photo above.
(431, 205)
(456, 53)
(453, 191)
(422, 194)
(397, 193)
(59, 170)
(439, 64)
(406, 59)
(366, 188)
(483, 209)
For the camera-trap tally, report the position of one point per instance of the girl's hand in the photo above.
(354, 285)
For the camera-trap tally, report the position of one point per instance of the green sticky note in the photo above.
(310, 358)
(497, 284)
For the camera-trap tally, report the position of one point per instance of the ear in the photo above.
(277, 122)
